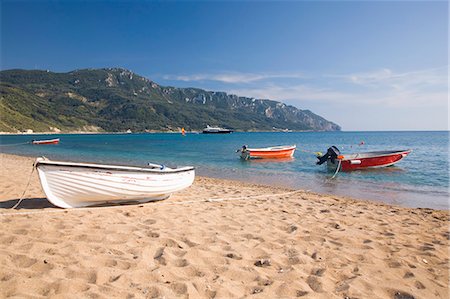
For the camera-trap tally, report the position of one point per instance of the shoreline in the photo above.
(199, 132)
(278, 186)
(149, 132)
(256, 241)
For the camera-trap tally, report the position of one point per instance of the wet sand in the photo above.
(218, 239)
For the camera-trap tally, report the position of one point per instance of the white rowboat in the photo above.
(73, 185)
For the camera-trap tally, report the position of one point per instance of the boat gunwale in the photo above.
(45, 140)
(113, 167)
(273, 148)
(375, 154)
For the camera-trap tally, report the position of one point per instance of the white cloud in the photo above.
(233, 77)
(386, 87)
(382, 87)
(434, 76)
(389, 98)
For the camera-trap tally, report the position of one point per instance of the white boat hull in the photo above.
(72, 185)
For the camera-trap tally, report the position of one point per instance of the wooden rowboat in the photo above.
(348, 162)
(72, 185)
(274, 152)
(47, 141)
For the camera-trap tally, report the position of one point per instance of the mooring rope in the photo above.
(337, 169)
(26, 188)
(211, 200)
(14, 144)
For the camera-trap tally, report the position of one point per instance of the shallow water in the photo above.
(420, 180)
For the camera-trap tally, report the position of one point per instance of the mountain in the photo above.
(115, 100)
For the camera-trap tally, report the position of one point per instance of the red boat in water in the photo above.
(47, 141)
(274, 152)
(349, 162)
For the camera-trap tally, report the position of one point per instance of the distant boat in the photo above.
(281, 130)
(46, 141)
(349, 162)
(216, 130)
(73, 185)
(274, 152)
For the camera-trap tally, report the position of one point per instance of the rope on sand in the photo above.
(26, 188)
(211, 200)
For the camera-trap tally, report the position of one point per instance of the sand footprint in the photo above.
(318, 271)
(180, 263)
(149, 221)
(179, 288)
(419, 285)
(233, 256)
(110, 262)
(153, 292)
(263, 282)
(115, 252)
(91, 276)
(6, 277)
(159, 256)
(402, 295)
(23, 261)
(314, 284)
(178, 252)
(170, 243)
(50, 289)
(152, 234)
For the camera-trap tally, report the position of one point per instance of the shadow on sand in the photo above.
(43, 203)
(27, 203)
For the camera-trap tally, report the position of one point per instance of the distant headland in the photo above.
(117, 100)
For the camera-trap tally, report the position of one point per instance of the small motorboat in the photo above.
(73, 185)
(274, 152)
(216, 130)
(348, 162)
(46, 141)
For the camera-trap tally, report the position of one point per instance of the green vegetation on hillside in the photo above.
(115, 100)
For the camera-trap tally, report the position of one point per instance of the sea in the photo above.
(419, 180)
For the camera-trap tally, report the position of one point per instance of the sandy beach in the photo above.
(218, 239)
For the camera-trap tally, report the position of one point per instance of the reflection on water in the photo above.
(381, 170)
(270, 161)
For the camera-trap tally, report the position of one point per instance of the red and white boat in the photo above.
(349, 162)
(274, 152)
(46, 141)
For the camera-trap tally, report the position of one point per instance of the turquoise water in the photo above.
(420, 180)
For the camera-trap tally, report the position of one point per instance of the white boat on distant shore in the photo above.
(73, 185)
(216, 130)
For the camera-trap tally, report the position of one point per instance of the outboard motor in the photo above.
(242, 149)
(332, 154)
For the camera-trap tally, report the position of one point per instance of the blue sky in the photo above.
(366, 65)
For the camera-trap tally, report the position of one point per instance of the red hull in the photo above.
(371, 160)
(278, 152)
(275, 154)
(51, 141)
